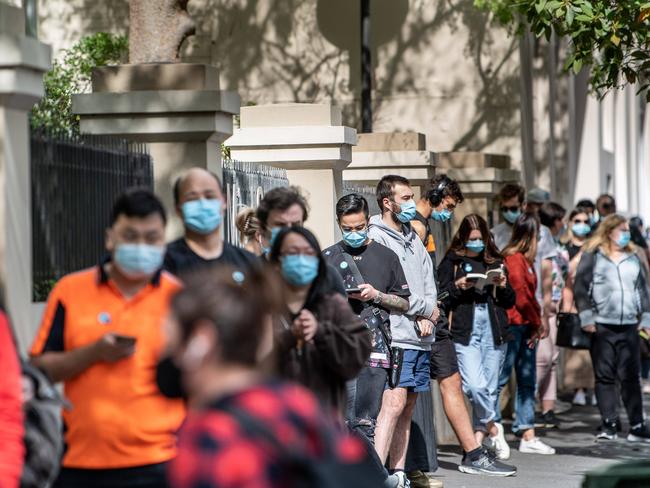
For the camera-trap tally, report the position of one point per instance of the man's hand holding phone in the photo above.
(114, 347)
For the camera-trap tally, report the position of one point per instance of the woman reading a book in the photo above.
(479, 294)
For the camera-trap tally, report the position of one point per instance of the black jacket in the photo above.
(459, 304)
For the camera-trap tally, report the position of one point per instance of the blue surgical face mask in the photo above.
(355, 239)
(475, 245)
(623, 238)
(593, 219)
(407, 212)
(203, 215)
(511, 216)
(138, 260)
(274, 234)
(581, 229)
(442, 216)
(299, 270)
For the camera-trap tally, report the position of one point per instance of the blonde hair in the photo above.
(247, 224)
(600, 239)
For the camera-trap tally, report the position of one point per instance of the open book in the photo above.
(481, 280)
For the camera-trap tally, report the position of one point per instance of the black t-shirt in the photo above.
(180, 259)
(378, 265)
(573, 250)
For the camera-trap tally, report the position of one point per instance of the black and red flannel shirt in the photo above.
(216, 451)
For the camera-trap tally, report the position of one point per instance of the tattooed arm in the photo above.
(393, 302)
(370, 294)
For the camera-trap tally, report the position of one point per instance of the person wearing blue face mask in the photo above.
(201, 206)
(411, 332)
(321, 342)
(479, 321)
(377, 287)
(101, 336)
(611, 295)
(511, 202)
(287, 207)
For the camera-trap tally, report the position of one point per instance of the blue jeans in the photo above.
(480, 364)
(522, 358)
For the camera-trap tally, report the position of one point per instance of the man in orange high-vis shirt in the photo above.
(101, 335)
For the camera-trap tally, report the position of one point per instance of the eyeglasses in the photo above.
(511, 209)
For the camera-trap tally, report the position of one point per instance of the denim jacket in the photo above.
(611, 293)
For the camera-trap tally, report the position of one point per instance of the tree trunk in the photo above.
(157, 29)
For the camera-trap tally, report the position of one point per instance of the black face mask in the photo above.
(169, 378)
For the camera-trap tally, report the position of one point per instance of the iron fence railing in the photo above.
(245, 185)
(75, 180)
(364, 190)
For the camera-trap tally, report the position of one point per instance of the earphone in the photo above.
(435, 195)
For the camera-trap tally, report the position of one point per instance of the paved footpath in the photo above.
(577, 452)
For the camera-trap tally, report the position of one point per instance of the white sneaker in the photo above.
(498, 444)
(580, 398)
(535, 446)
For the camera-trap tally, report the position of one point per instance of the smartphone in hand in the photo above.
(125, 340)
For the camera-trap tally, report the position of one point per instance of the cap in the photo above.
(537, 195)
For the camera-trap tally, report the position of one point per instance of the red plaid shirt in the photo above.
(216, 451)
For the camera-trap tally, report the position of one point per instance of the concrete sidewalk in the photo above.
(577, 453)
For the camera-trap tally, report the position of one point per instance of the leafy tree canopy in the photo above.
(70, 74)
(612, 37)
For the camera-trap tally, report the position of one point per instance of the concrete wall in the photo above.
(441, 68)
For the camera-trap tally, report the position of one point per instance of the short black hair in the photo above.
(586, 204)
(281, 198)
(138, 202)
(441, 186)
(179, 182)
(386, 186)
(352, 204)
(550, 212)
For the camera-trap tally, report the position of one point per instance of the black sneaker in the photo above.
(486, 464)
(608, 431)
(540, 420)
(550, 420)
(640, 433)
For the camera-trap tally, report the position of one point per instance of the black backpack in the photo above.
(43, 424)
(43, 430)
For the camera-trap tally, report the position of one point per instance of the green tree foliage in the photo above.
(612, 37)
(70, 74)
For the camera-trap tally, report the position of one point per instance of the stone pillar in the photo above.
(309, 142)
(177, 108)
(481, 176)
(382, 153)
(23, 60)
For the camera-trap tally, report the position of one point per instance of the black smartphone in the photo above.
(124, 340)
(353, 290)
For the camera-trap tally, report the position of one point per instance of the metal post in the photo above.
(366, 69)
(31, 18)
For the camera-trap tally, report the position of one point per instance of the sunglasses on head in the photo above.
(510, 209)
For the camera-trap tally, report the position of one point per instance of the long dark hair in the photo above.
(475, 222)
(319, 288)
(524, 237)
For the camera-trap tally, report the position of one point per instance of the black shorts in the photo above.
(444, 361)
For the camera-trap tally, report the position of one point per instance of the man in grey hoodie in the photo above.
(412, 331)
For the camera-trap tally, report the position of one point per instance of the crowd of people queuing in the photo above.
(279, 364)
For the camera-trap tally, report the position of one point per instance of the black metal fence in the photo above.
(75, 180)
(245, 185)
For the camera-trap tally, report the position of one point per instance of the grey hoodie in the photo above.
(418, 270)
